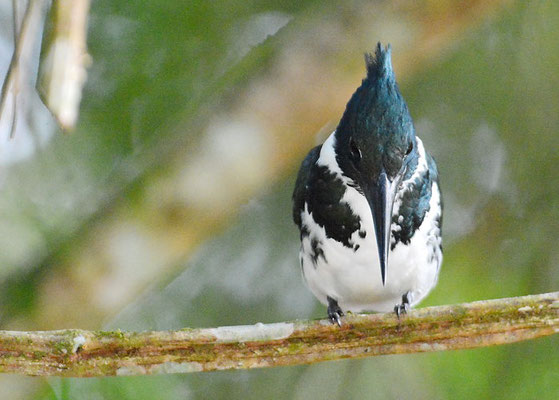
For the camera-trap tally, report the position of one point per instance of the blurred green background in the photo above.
(169, 206)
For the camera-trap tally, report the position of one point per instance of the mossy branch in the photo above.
(82, 353)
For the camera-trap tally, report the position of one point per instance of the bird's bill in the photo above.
(381, 200)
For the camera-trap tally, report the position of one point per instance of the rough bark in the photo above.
(83, 353)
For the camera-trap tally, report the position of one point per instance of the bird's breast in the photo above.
(350, 272)
(339, 255)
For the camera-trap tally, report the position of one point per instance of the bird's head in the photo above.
(375, 143)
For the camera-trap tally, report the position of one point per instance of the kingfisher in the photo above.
(368, 205)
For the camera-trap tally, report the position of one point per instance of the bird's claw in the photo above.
(400, 309)
(334, 311)
(404, 306)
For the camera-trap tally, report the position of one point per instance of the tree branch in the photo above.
(23, 45)
(62, 73)
(82, 353)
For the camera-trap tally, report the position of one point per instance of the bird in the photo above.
(368, 205)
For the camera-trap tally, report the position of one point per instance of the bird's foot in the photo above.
(404, 306)
(334, 311)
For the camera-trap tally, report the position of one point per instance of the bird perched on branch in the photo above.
(368, 205)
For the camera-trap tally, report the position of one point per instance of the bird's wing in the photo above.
(434, 173)
(300, 190)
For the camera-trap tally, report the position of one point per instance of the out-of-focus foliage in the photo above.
(177, 89)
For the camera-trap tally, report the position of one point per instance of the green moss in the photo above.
(39, 354)
(63, 347)
(118, 334)
(295, 348)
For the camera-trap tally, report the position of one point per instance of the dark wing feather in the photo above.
(299, 193)
(415, 203)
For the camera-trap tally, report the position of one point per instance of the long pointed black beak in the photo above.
(381, 199)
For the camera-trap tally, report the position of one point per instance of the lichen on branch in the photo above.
(82, 353)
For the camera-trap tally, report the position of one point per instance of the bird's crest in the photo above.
(379, 65)
(376, 109)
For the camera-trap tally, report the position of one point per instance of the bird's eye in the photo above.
(410, 148)
(355, 152)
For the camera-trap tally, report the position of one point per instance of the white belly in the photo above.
(353, 278)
